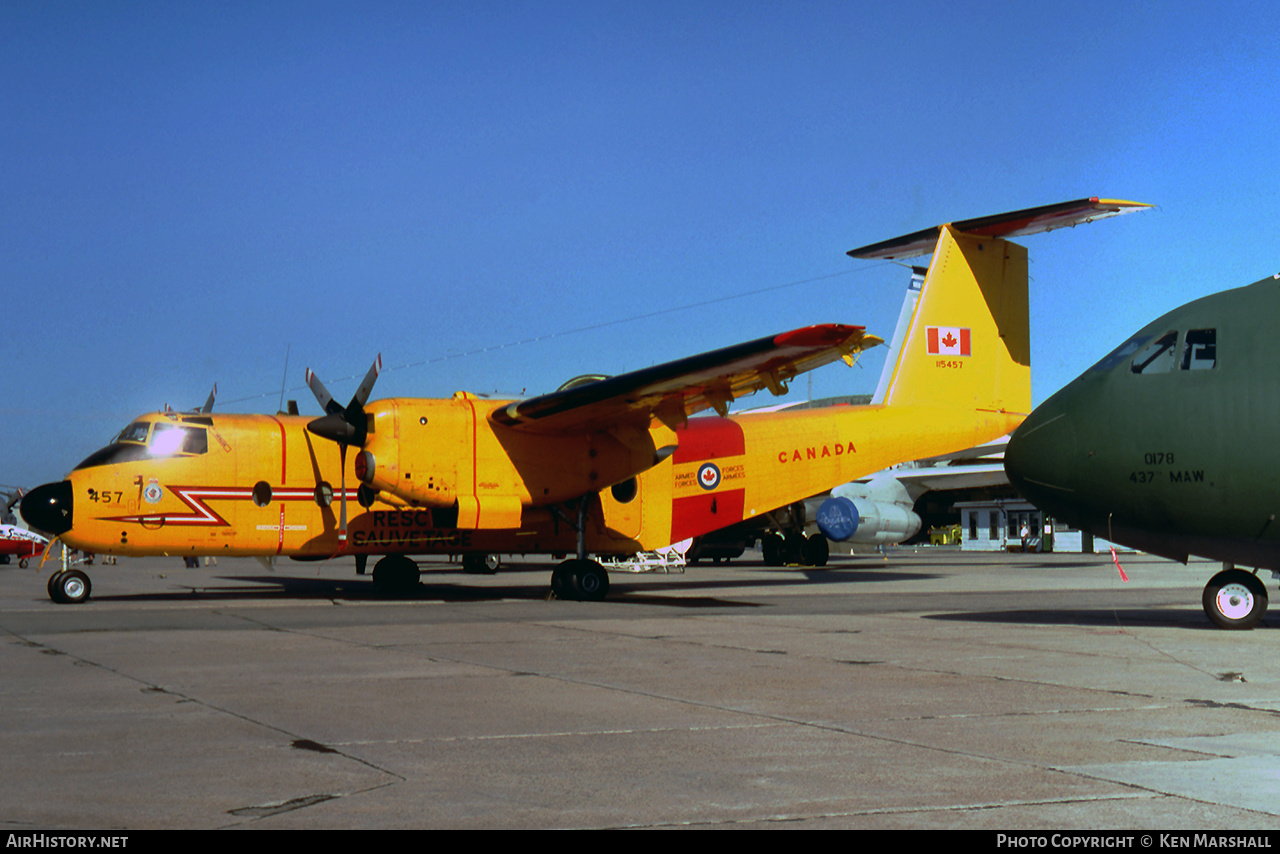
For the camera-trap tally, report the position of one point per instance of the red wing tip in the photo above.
(821, 335)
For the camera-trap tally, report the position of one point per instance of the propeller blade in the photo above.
(327, 403)
(361, 396)
(342, 525)
(345, 426)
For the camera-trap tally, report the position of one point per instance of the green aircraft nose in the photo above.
(1041, 460)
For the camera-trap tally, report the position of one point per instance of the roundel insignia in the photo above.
(708, 476)
(153, 493)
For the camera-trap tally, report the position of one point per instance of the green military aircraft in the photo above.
(1166, 445)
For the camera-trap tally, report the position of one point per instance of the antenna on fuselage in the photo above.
(283, 379)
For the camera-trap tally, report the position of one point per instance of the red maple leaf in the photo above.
(950, 340)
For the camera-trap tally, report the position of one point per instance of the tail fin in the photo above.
(899, 333)
(969, 345)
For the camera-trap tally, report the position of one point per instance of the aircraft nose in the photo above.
(48, 508)
(1040, 458)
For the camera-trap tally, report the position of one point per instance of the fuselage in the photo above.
(200, 484)
(1167, 444)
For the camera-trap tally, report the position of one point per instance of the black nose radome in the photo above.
(48, 508)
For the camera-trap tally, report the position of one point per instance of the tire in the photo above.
(54, 588)
(1235, 599)
(771, 548)
(816, 550)
(73, 587)
(581, 580)
(395, 575)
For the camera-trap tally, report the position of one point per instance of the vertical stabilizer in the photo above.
(969, 343)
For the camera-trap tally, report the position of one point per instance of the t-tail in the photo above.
(968, 345)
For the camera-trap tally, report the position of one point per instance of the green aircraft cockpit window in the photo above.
(1200, 350)
(1120, 354)
(1157, 358)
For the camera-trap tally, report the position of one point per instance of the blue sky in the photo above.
(501, 195)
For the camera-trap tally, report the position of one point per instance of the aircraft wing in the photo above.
(1012, 224)
(673, 391)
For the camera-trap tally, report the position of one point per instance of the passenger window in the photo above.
(1158, 357)
(1200, 350)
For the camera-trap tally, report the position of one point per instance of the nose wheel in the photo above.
(69, 587)
(1235, 599)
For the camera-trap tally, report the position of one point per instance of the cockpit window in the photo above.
(1200, 350)
(1121, 353)
(1157, 358)
(170, 439)
(166, 440)
(135, 432)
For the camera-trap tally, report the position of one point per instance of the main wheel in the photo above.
(816, 550)
(395, 575)
(771, 547)
(591, 581)
(73, 587)
(584, 580)
(1235, 599)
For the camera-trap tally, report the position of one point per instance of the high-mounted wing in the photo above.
(673, 391)
(1012, 224)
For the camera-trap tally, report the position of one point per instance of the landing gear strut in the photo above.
(580, 577)
(1235, 599)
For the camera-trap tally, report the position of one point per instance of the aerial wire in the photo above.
(580, 329)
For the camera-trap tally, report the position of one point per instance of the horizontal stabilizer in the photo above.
(1012, 224)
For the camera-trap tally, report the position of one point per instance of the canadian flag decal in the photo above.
(948, 341)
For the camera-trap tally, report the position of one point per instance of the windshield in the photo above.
(166, 440)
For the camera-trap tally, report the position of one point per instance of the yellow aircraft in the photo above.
(603, 466)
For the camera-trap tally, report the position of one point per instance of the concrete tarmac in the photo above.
(920, 690)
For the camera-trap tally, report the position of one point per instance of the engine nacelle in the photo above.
(446, 453)
(861, 520)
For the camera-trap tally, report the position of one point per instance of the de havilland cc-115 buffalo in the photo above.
(606, 466)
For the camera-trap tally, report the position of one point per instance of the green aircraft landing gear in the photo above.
(1235, 599)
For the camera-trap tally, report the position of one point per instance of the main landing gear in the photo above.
(1235, 599)
(580, 577)
(795, 548)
